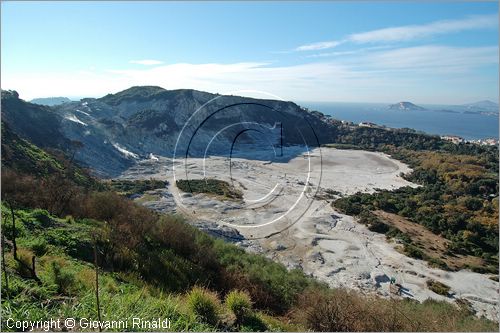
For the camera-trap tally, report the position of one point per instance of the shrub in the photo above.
(42, 218)
(489, 269)
(330, 311)
(413, 251)
(63, 278)
(438, 287)
(204, 305)
(379, 227)
(130, 187)
(436, 262)
(7, 229)
(86, 278)
(24, 262)
(74, 241)
(271, 286)
(209, 186)
(39, 246)
(253, 323)
(240, 304)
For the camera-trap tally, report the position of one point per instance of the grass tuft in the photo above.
(204, 305)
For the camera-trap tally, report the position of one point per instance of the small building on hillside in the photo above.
(368, 124)
(453, 138)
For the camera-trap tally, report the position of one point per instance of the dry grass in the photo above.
(341, 310)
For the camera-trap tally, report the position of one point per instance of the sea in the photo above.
(436, 119)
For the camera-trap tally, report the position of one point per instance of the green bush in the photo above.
(253, 323)
(74, 241)
(24, 262)
(204, 305)
(271, 286)
(42, 218)
(240, 304)
(435, 262)
(209, 186)
(379, 227)
(129, 187)
(63, 278)
(413, 251)
(438, 287)
(7, 229)
(39, 246)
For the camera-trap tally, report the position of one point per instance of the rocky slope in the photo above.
(118, 129)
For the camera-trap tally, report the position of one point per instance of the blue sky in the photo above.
(322, 51)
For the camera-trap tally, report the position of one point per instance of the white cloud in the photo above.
(146, 62)
(433, 58)
(410, 32)
(319, 46)
(433, 73)
(350, 52)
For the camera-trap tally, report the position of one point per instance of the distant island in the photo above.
(406, 106)
(485, 107)
(482, 106)
(51, 101)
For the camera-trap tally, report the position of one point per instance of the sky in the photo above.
(384, 52)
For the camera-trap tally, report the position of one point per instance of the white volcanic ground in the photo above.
(286, 214)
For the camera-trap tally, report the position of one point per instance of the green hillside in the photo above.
(156, 276)
(22, 156)
(38, 123)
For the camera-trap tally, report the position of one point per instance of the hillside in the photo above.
(141, 121)
(19, 155)
(120, 128)
(48, 129)
(40, 124)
